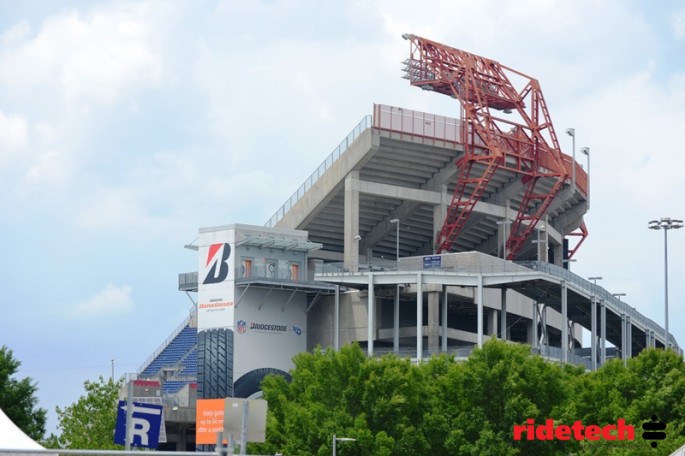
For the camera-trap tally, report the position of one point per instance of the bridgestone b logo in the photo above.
(218, 256)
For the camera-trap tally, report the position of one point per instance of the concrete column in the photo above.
(396, 321)
(564, 322)
(419, 317)
(351, 227)
(534, 330)
(603, 332)
(479, 303)
(336, 319)
(559, 254)
(493, 330)
(629, 337)
(504, 334)
(543, 325)
(593, 330)
(440, 212)
(433, 321)
(623, 338)
(444, 319)
(648, 339)
(545, 251)
(371, 311)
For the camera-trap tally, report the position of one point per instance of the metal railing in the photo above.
(168, 340)
(187, 281)
(546, 351)
(618, 306)
(364, 124)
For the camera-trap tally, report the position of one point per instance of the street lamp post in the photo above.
(595, 279)
(572, 133)
(567, 263)
(665, 223)
(586, 151)
(340, 439)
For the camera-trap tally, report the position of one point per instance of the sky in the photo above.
(126, 126)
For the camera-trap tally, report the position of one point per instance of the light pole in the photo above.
(572, 133)
(618, 295)
(586, 151)
(340, 439)
(397, 240)
(595, 279)
(666, 223)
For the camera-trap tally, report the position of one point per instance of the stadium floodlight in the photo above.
(572, 133)
(665, 223)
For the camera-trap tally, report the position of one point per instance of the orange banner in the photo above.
(209, 418)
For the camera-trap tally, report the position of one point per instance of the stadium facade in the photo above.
(349, 258)
(418, 234)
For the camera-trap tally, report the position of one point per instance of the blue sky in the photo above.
(125, 126)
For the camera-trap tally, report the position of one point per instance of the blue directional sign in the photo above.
(146, 422)
(430, 262)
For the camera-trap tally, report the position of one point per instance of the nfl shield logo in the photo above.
(242, 327)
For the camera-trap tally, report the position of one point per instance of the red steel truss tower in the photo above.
(505, 125)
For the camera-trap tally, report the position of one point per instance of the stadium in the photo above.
(418, 234)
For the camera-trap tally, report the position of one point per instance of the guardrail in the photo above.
(545, 351)
(364, 124)
(618, 306)
(168, 340)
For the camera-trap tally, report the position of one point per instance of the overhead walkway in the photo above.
(577, 301)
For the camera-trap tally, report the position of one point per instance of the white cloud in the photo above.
(112, 300)
(13, 134)
(678, 24)
(92, 57)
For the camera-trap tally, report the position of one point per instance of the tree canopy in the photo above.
(18, 397)
(445, 407)
(89, 422)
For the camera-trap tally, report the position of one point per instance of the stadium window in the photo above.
(246, 267)
(294, 271)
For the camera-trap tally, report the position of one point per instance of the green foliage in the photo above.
(18, 397)
(89, 422)
(443, 407)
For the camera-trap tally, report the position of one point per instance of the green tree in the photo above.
(651, 384)
(18, 397)
(89, 422)
(445, 407)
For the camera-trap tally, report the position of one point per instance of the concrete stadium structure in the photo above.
(350, 258)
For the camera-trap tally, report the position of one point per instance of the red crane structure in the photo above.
(503, 127)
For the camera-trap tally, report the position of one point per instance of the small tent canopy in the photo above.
(679, 452)
(13, 438)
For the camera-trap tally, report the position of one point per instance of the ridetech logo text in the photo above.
(576, 431)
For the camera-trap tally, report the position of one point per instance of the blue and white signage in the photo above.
(430, 262)
(146, 423)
